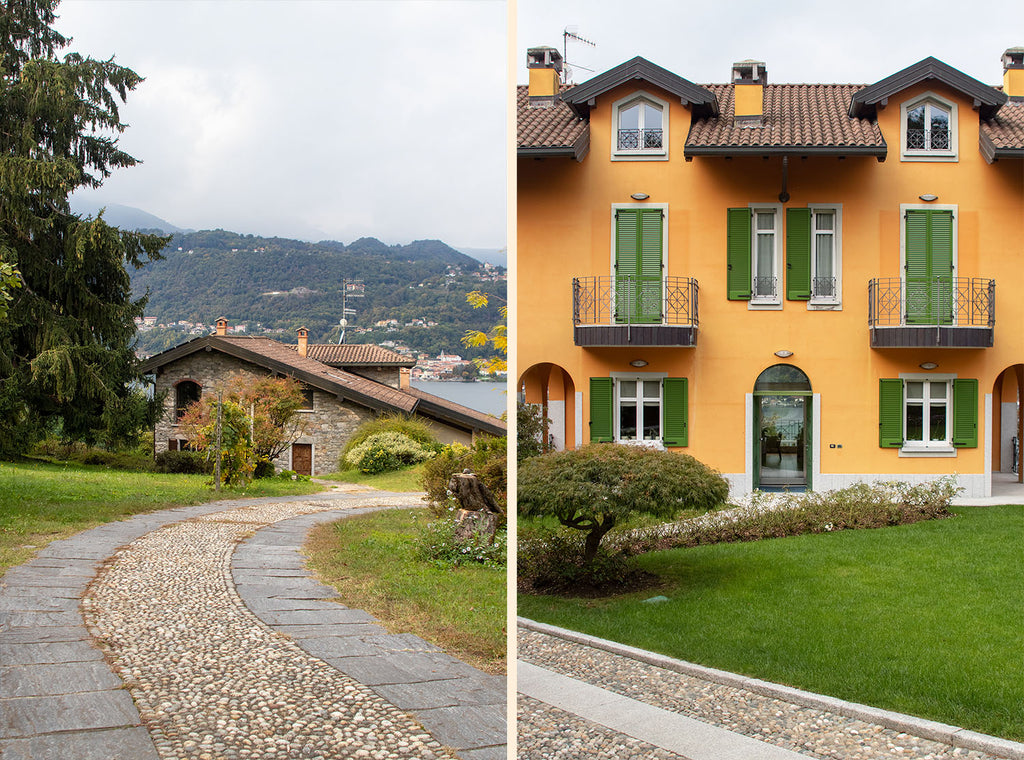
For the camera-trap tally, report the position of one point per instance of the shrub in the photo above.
(859, 506)
(264, 469)
(553, 562)
(529, 430)
(592, 488)
(437, 543)
(182, 462)
(383, 452)
(410, 427)
(488, 459)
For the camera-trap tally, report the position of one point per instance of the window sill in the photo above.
(824, 305)
(764, 305)
(946, 451)
(658, 445)
(938, 157)
(640, 155)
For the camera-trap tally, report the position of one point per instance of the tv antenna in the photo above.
(569, 33)
(349, 289)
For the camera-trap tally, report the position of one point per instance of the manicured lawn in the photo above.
(372, 561)
(41, 502)
(407, 479)
(925, 619)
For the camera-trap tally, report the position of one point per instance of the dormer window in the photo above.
(640, 129)
(928, 130)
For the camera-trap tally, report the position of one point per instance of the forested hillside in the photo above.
(279, 284)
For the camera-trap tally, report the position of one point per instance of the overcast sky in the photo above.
(858, 42)
(315, 120)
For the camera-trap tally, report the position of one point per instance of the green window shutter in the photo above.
(929, 266)
(941, 247)
(602, 397)
(798, 254)
(649, 271)
(738, 254)
(675, 412)
(890, 413)
(965, 413)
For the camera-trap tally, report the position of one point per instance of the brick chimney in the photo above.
(222, 326)
(545, 65)
(404, 377)
(748, 79)
(1013, 73)
(303, 341)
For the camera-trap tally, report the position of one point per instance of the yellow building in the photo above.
(796, 284)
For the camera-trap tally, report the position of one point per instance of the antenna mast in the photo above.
(569, 33)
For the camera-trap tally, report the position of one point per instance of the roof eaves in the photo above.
(878, 151)
(987, 99)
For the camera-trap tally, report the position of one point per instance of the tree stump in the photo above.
(478, 514)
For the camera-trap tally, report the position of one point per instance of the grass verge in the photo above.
(374, 563)
(42, 502)
(922, 619)
(406, 479)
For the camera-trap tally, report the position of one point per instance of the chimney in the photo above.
(222, 326)
(404, 377)
(303, 338)
(545, 65)
(1013, 73)
(749, 78)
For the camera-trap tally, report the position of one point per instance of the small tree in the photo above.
(592, 488)
(530, 424)
(237, 456)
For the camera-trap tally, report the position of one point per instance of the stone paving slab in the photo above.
(110, 744)
(28, 716)
(56, 678)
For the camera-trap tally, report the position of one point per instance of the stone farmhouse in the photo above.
(346, 385)
(794, 283)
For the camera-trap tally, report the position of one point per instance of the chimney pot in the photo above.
(303, 341)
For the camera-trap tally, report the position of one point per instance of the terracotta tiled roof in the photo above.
(489, 423)
(355, 354)
(1004, 134)
(330, 378)
(796, 116)
(548, 128)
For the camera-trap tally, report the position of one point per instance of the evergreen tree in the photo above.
(65, 344)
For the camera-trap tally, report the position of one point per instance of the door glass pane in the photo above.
(782, 441)
(627, 389)
(938, 390)
(652, 388)
(915, 389)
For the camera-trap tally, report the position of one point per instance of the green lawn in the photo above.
(407, 479)
(372, 561)
(41, 502)
(925, 619)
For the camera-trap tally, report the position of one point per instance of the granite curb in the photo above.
(460, 706)
(923, 728)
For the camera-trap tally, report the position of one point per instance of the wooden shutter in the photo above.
(602, 399)
(890, 413)
(627, 241)
(965, 413)
(675, 412)
(650, 270)
(941, 255)
(798, 254)
(928, 251)
(738, 254)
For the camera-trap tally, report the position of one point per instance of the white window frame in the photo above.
(766, 302)
(640, 154)
(639, 378)
(943, 448)
(930, 99)
(825, 302)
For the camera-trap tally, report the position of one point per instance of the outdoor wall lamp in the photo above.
(638, 363)
(927, 365)
(783, 354)
(928, 197)
(639, 196)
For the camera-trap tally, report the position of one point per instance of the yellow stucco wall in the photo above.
(565, 226)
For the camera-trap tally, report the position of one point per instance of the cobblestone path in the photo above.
(210, 680)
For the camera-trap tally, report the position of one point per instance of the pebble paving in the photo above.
(546, 732)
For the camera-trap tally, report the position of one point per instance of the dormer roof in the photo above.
(581, 97)
(987, 99)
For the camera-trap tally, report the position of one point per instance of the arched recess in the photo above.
(1008, 424)
(782, 429)
(552, 388)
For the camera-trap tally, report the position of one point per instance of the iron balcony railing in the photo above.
(634, 300)
(639, 139)
(939, 301)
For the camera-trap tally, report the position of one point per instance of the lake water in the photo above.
(484, 397)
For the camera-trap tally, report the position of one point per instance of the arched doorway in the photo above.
(1008, 425)
(551, 388)
(782, 429)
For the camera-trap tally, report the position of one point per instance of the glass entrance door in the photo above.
(783, 429)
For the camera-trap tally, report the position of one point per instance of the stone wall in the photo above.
(389, 376)
(327, 427)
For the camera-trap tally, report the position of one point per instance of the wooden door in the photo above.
(302, 458)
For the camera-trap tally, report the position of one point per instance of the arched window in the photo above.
(185, 393)
(782, 378)
(640, 128)
(928, 127)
